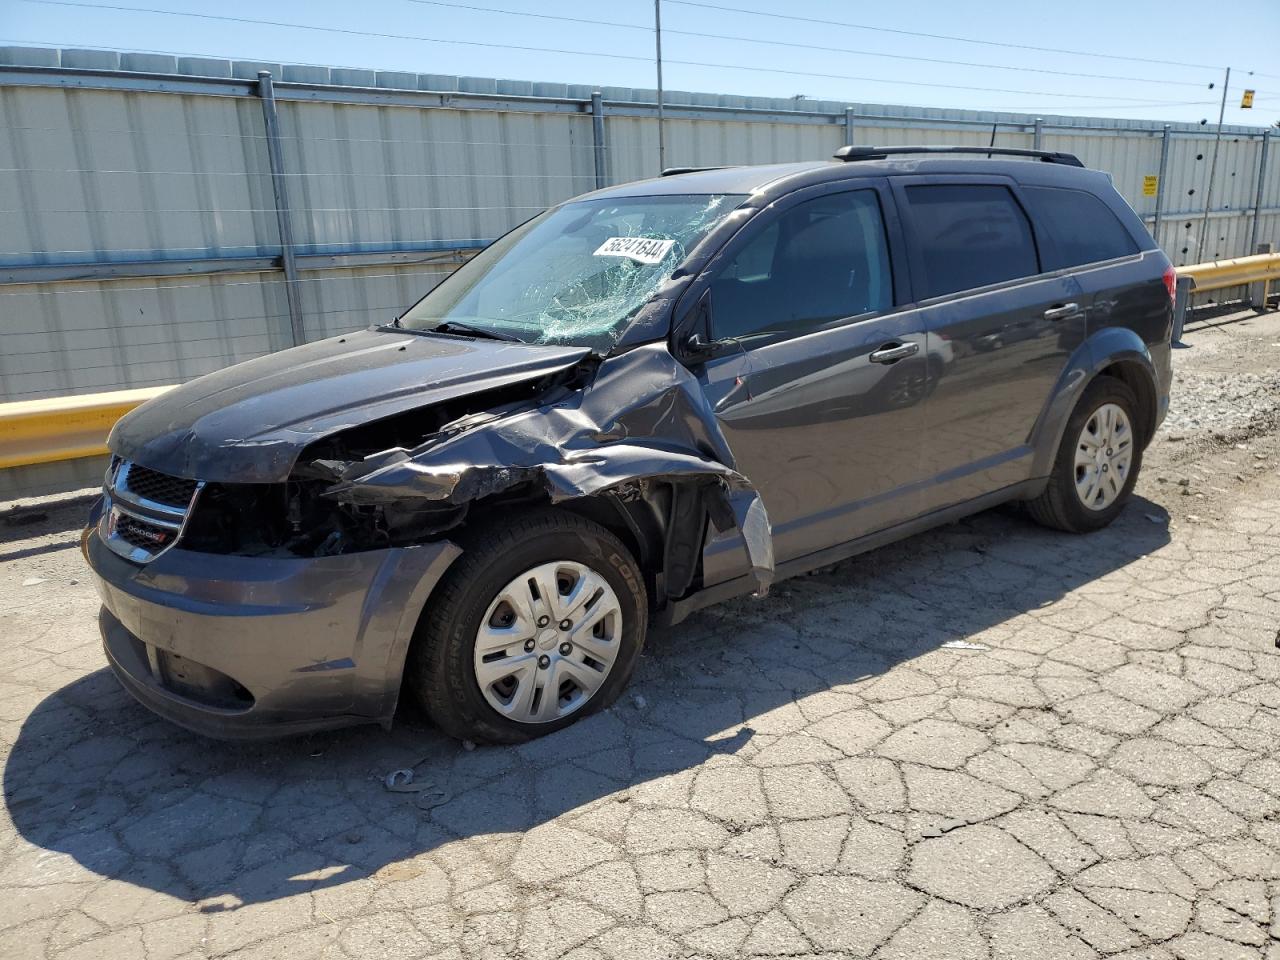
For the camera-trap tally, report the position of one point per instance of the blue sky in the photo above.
(612, 44)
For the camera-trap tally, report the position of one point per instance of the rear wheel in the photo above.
(1097, 464)
(538, 623)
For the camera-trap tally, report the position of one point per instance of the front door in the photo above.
(819, 393)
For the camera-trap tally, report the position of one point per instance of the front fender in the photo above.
(1105, 347)
(643, 417)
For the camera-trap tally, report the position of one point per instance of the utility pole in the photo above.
(280, 192)
(657, 36)
(1213, 169)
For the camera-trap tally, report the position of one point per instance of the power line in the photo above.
(799, 46)
(648, 28)
(591, 53)
(937, 36)
(938, 60)
(922, 83)
(487, 143)
(338, 30)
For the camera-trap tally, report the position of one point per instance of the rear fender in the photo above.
(1104, 348)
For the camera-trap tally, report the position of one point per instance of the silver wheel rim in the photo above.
(1104, 454)
(547, 642)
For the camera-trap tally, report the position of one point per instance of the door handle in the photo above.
(893, 352)
(1062, 312)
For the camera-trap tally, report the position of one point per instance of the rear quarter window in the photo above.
(970, 235)
(1080, 227)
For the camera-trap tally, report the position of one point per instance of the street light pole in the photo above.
(657, 36)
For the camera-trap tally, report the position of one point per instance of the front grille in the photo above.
(160, 487)
(145, 536)
(146, 510)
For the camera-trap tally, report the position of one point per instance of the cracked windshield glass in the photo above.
(574, 275)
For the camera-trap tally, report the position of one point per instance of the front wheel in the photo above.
(1097, 464)
(538, 623)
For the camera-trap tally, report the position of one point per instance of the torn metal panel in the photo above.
(642, 417)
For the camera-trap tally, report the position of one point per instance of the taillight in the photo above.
(1170, 278)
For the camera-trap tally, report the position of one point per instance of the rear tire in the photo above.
(468, 625)
(1091, 481)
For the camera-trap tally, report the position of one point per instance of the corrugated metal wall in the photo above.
(110, 169)
(84, 337)
(92, 175)
(633, 143)
(377, 177)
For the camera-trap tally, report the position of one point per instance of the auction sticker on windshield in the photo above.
(642, 249)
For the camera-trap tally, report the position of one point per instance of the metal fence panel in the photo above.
(1128, 158)
(633, 143)
(103, 175)
(339, 301)
(377, 177)
(109, 169)
(85, 337)
(882, 132)
(1271, 182)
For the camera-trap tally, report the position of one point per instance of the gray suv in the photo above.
(652, 398)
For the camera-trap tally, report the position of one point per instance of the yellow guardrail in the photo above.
(64, 428)
(1220, 274)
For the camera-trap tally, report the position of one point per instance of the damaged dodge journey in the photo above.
(645, 400)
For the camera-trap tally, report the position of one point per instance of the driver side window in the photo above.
(823, 260)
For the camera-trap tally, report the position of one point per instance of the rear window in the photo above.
(1081, 227)
(970, 235)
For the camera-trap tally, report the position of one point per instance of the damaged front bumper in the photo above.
(244, 647)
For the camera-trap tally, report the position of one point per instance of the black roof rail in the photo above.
(880, 153)
(676, 171)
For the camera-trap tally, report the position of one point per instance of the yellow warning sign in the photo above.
(1246, 102)
(1150, 185)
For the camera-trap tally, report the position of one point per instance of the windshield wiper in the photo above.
(453, 326)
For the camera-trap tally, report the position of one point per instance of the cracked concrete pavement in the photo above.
(988, 741)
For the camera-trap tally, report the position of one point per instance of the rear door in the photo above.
(1084, 235)
(1001, 328)
(821, 376)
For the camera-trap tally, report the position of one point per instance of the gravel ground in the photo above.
(1231, 381)
(988, 741)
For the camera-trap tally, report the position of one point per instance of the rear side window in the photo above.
(970, 235)
(821, 261)
(1081, 227)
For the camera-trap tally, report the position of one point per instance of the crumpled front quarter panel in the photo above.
(642, 416)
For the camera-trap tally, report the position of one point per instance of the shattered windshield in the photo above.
(574, 275)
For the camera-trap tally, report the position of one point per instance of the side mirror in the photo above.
(696, 349)
(696, 345)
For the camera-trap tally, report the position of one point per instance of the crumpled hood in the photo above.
(248, 423)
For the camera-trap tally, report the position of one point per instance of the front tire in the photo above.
(1098, 461)
(538, 623)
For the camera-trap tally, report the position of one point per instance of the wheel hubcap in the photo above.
(1104, 454)
(547, 642)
